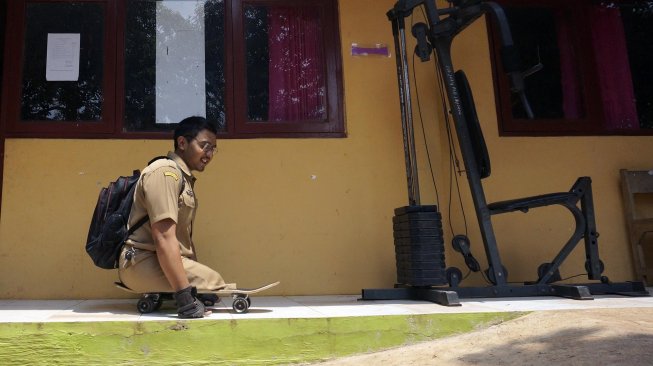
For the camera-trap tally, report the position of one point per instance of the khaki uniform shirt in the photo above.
(158, 195)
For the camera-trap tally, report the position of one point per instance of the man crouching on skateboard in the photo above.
(160, 256)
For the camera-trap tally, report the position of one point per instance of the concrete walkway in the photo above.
(278, 330)
(293, 307)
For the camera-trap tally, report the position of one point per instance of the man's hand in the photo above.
(187, 304)
(164, 233)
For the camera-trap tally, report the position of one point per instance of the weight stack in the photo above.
(419, 246)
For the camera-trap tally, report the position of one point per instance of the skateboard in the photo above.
(152, 301)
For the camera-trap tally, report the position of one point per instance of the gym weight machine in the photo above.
(420, 265)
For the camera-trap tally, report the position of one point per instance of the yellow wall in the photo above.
(316, 213)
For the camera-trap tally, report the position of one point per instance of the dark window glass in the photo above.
(543, 43)
(285, 63)
(216, 84)
(74, 98)
(638, 26)
(140, 58)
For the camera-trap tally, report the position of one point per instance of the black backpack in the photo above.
(108, 231)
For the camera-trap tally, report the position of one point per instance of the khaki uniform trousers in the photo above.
(143, 274)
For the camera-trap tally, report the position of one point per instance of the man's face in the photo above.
(198, 151)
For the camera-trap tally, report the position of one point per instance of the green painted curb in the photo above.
(225, 342)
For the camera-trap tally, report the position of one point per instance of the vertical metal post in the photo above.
(398, 27)
(591, 236)
(442, 46)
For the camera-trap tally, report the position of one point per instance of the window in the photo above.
(286, 56)
(585, 64)
(255, 67)
(174, 63)
(64, 74)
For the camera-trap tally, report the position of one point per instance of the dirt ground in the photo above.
(578, 337)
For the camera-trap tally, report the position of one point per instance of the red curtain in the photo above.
(296, 71)
(615, 80)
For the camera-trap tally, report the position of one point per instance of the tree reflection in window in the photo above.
(80, 100)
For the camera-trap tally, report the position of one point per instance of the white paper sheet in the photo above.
(62, 61)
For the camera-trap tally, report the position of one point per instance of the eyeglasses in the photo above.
(206, 146)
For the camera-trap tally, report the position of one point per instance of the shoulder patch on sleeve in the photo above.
(171, 174)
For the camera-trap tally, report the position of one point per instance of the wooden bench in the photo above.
(633, 183)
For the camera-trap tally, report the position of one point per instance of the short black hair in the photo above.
(189, 127)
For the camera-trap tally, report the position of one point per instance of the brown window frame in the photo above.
(113, 120)
(593, 121)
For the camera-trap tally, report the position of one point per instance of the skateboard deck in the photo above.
(152, 301)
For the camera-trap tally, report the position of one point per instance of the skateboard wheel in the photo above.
(241, 305)
(147, 305)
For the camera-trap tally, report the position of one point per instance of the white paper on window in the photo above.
(62, 59)
(180, 60)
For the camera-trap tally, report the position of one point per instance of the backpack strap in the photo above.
(158, 158)
(143, 220)
(138, 224)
